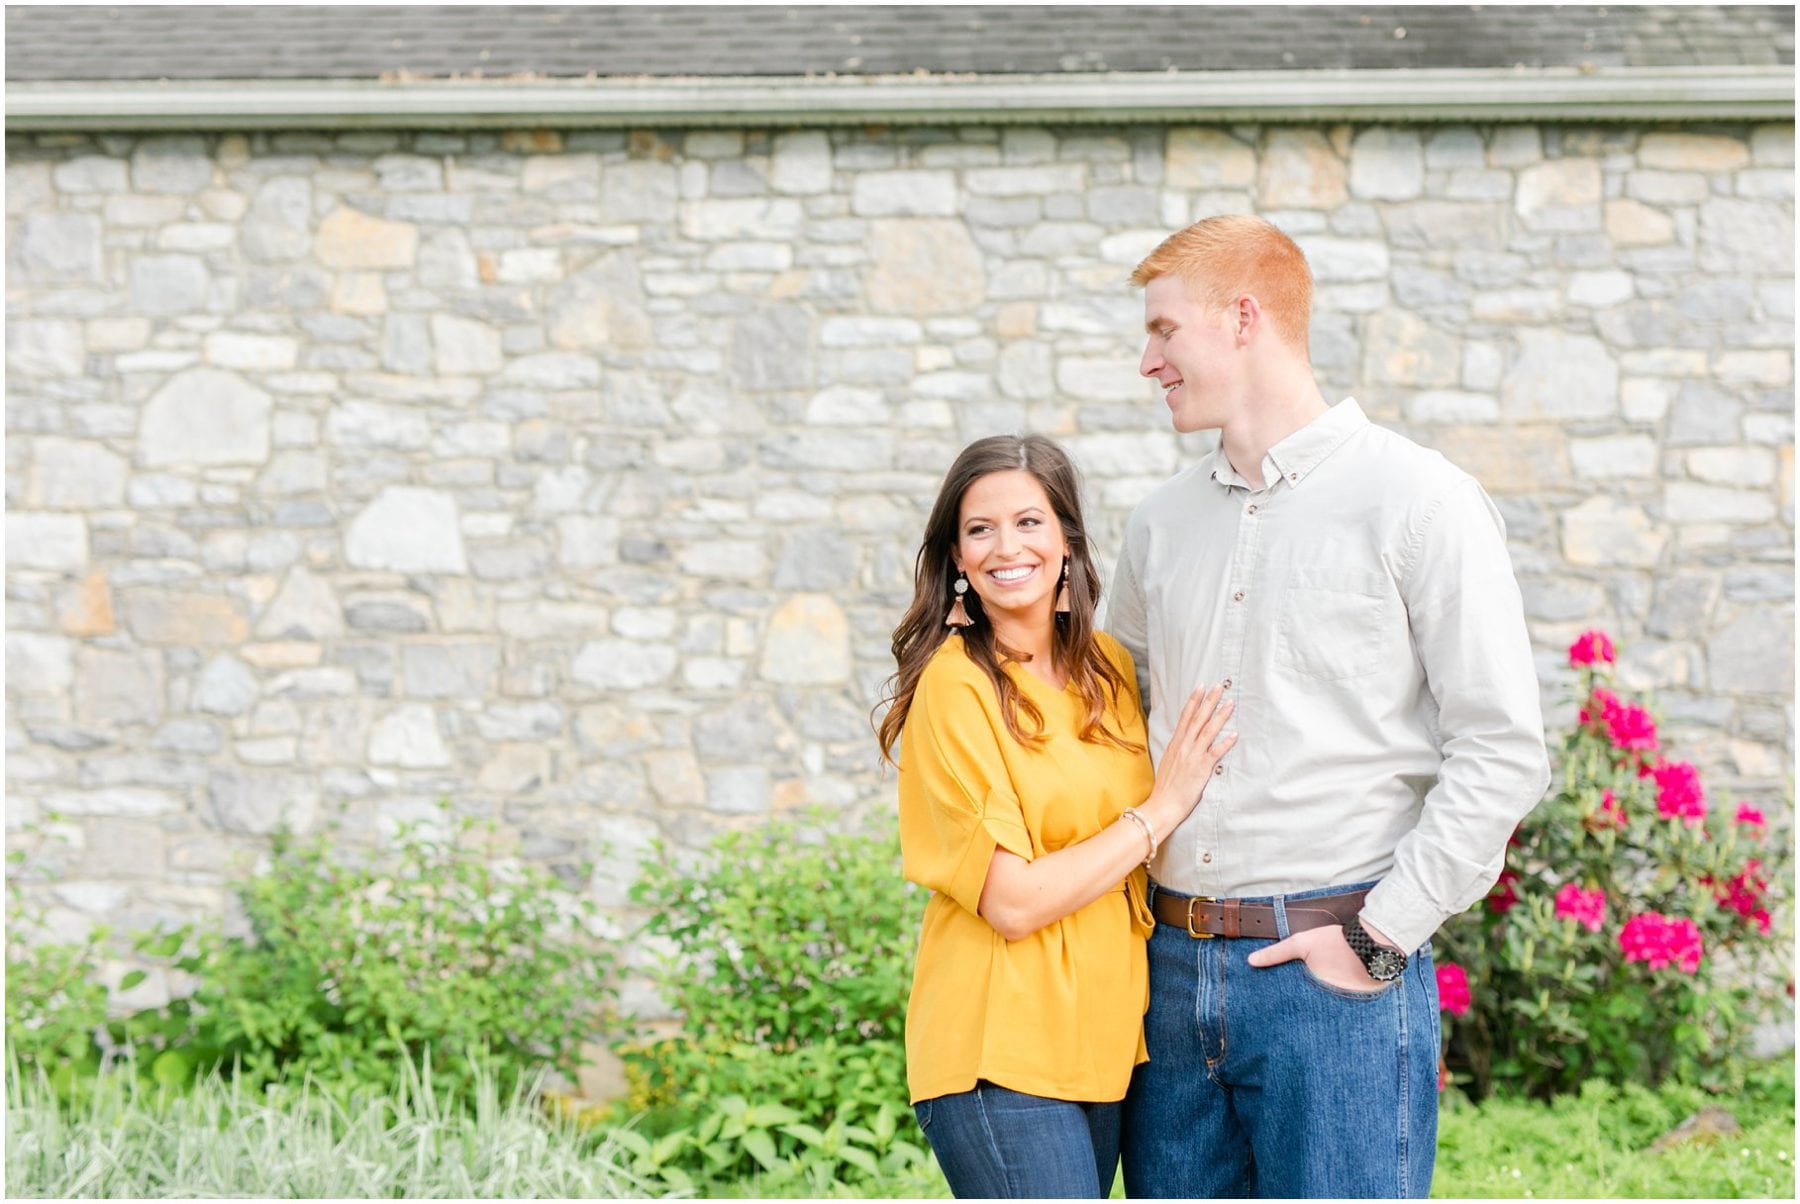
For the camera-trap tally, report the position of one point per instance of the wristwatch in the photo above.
(1382, 963)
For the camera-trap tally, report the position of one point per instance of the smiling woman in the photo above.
(1026, 806)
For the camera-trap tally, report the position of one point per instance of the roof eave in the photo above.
(1427, 95)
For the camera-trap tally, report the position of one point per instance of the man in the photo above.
(1352, 590)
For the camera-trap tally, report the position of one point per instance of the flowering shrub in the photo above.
(1631, 934)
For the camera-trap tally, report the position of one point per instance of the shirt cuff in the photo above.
(1402, 913)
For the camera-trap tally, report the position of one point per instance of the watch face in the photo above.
(1387, 964)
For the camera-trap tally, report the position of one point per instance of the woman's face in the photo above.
(1010, 543)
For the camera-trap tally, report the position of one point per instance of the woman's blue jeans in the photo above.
(998, 1144)
(1271, 1082)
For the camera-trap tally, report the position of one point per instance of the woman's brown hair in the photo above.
(1075, 648)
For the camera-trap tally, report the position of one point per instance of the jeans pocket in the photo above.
(922, 1110)
(1350, 993)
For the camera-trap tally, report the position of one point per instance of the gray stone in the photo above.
(176, 164)
(1560, 376)
(57, 248)
(188, 736)
(816, 559)
(1754, 653)
(118, 688)
(90, 173)
(800, 163)
(772, 349)
(738, 790)
(637, 191)
(225, 687)
(366, 424)
(622, 664)
(1386, 163)
(168, 284)
(1702, 415)
(305, 609)
(807, 643)
(72, 474)
(553, 370)
(1746, 236)
(205, 416)
(601, 308)
(57, 543)
(520, 721)
(262, 803)
(1682, 606)
(408, 738)
(407, 529)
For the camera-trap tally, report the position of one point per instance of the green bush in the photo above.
(352, 975)
(354, 971)
(1635, 933)
(790, 960)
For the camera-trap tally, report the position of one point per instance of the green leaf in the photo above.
(132, 979)
(760, 1146)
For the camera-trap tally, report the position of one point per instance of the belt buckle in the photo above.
(1199, 936)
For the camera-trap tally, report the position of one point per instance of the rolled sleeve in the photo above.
(1468, 625)
(957, 804)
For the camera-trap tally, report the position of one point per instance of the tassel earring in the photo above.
(958, 617)
(1062, 594)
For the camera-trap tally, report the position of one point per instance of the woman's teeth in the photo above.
(1012, 574)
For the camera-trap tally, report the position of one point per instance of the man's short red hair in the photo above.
(1224, 257)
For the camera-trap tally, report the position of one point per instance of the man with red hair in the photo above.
(1353, 592)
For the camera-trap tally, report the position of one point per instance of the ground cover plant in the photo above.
(790, 960)
(126, 1137)
(1639, 930)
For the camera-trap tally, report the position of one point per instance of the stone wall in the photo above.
(577, 477)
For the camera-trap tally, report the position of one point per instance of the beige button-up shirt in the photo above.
(1362, 611)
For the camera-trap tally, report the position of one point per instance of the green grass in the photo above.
(221, 1140)
(1597, 1145)
(125, 1140)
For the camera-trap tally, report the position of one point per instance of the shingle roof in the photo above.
(63, 43)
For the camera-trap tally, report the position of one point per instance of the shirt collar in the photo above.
(1294, 458)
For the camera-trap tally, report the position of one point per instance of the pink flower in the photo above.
(1678, 792)
(1602, 701)
(1609, 814)
(1660, 940)
(1585, 907)
(1631, 727)
(1500, 900)
(1453, 989)
(1744, 895)
(1590, 647)
(1752, 818)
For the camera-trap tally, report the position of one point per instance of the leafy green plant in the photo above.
(1633, 935)
(223, 1138)
(790, 960)
(355, 970)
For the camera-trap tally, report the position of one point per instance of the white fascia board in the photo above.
(1561, 94)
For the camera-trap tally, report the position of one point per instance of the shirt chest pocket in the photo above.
(1333, 623)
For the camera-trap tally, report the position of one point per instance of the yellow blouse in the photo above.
(1060, 1013)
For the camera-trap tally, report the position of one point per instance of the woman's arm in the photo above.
(1020, 896)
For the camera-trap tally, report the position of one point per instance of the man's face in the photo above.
(1190, 350)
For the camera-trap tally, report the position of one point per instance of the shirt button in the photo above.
(1238, 597)
(1217, 769)
(1226, 684)
(1206, 857)
(1252, 510)
(1293, 476)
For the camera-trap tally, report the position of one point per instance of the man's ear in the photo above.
(1246, 316)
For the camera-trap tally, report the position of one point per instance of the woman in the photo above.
(1027, 804)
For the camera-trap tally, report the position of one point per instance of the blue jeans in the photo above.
(1273, 1083)
(995, 1143)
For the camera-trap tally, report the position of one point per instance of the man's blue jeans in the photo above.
(995, 1143)
(1273, 1083)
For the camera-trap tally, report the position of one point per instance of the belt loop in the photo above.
(1281, 924)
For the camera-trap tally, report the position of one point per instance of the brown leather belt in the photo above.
(1205, 918)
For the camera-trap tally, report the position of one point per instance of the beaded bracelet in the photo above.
(1137, 817)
